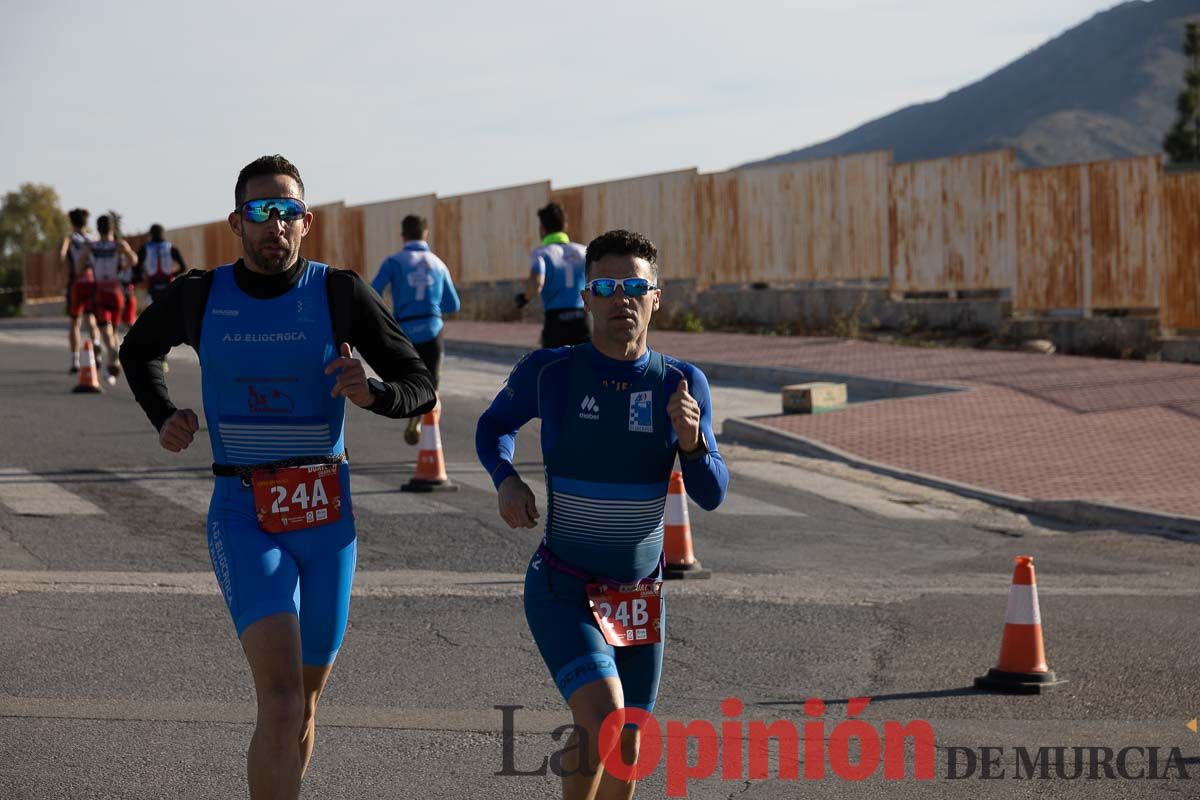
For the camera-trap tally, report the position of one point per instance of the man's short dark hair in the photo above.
(156, 232)
(622, 243)
(553, 218)
(264, 165)
(104, 225)
(78, 217)
(414, 227)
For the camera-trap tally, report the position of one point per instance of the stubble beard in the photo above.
(272, 265)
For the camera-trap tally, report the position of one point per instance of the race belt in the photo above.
(628, 614)
(292, 496)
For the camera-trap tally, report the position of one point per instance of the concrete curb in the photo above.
(860, 389)
(745, 431)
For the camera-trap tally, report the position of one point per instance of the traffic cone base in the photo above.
(421, 485)
(679, 572)
(998, 680)
(89, 377)
(1021, 668)
(677, 535)
(431, 464)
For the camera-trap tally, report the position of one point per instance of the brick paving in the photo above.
(1042, 427)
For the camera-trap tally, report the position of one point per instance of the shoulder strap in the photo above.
(194, 288)
(339, 286)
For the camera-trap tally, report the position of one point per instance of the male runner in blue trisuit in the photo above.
(614, 416)
(274, 339)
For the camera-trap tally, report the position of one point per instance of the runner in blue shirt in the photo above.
(557, 272)
(614, 416)
(422, 292)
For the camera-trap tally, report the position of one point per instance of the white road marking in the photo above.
(182, 489)
(26, 493)
(849, 493)
(39, 338)
(777, 589)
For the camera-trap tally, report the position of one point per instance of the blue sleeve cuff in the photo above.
(502, 472)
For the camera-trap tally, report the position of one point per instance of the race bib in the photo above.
(294, 498)
(629, 614)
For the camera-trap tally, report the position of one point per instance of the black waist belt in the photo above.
(415, 317)
(244, 470)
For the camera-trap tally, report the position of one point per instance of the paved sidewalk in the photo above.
(1056, 430)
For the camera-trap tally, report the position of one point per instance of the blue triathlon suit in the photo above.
(266, 398)
(422, 290)
(609, 448)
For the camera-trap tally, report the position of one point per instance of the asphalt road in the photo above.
(120, 675)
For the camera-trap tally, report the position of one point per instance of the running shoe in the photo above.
(412, 434)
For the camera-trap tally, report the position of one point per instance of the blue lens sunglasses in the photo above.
(607, 287)
(289, 209)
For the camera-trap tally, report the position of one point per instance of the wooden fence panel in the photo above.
(953, 223)
(1181, 250)
(43, 276)
(489, 235)
(571, 201)
(824, 220)
(324, 240)
(1049, 232)
(221, 246)
(718, 231)
(661, 207)
(863, 205)
(381, 228)
(190, 242)
(1125, 231)
(1090, 236)
(350, 232)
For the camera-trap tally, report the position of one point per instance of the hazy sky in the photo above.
(151, 108)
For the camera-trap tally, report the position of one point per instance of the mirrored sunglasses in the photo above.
(607, 287)
(289, 209)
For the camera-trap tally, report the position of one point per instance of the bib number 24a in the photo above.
(296, 498)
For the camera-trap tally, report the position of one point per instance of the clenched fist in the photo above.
(179, 430)
(684, 412)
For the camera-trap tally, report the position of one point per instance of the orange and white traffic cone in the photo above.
(89, 377)
(1022, 666)
(431, 464)
(677, 535)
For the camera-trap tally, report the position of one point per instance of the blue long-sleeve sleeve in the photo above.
(382, 278)
(516, 404)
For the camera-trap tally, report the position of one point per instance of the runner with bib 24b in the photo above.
(615, 416)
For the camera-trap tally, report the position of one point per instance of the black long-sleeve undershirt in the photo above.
(406, 388)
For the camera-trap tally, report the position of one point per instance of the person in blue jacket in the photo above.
(422, 291)
(615, 415)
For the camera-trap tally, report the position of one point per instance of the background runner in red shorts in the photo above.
(106, 258)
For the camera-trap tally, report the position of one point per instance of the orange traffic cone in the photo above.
(677, 535)
(89, 377)
(1022, 666)
(431, 464)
